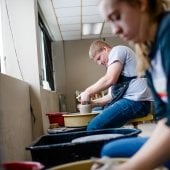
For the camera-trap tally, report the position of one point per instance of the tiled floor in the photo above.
(147, 128)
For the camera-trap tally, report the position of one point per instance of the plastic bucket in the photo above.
(56, 117)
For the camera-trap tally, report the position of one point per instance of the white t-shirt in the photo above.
(138, 89)
(159, 78)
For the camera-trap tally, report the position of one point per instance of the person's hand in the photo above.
(84, 97)
(78, 107)
(104, 163)
(93, 103)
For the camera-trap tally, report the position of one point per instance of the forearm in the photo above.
(111, 77)
(102, 84)
(101, 101)
(155, 152)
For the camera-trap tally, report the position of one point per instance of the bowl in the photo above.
(78, 119)
(56, 118)
(86, 165)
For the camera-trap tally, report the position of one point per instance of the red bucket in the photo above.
(56, 117)
(22, 165)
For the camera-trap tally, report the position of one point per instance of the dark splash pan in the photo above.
(55, 149)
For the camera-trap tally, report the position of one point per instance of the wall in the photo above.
(50, 20)
(15, 117)
(21, 49)
(16, 122)
(59, 67)
(49, 103)
(80, 70)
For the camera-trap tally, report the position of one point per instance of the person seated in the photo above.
(129, 95)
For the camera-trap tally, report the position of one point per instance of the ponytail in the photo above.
(143, 62)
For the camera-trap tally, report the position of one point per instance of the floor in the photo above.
(146, 128)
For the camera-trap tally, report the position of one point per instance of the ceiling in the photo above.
(71, 14)
(66, 17)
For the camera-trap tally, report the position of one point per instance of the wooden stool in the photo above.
(136, 121)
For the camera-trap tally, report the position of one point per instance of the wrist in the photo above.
(88, 92)
(94, 104)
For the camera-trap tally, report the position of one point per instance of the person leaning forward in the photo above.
(129, 96)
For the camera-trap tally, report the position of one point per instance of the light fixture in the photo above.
(92, 28)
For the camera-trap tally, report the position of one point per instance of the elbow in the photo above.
(110, 81)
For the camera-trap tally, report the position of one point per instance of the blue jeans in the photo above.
(119, 113)
(125, 148)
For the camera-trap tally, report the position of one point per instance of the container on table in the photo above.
(56, 117)
(56, 149)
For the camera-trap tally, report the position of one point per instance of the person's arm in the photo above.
(111, 77)
(101, 101)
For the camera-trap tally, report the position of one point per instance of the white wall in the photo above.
(21, 49)
(50, 19)
(23, 91)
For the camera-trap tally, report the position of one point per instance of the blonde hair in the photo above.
(155, 9)
(143, 62)
(96, 47)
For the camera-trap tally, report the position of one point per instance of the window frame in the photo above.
(47, 61)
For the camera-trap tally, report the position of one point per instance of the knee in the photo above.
(112, 149)
(94, 124)
(91, 126)
(107, 150)
(123, 147)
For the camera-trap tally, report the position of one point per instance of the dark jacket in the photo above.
(162, 43)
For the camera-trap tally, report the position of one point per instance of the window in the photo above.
(46, 56)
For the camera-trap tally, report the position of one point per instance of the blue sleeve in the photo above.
(165, 52)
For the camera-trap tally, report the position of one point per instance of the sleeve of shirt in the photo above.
(117, 53)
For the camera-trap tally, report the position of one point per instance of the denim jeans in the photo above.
(119, 113)
(125, 148)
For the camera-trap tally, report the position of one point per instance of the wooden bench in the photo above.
(136, 121)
